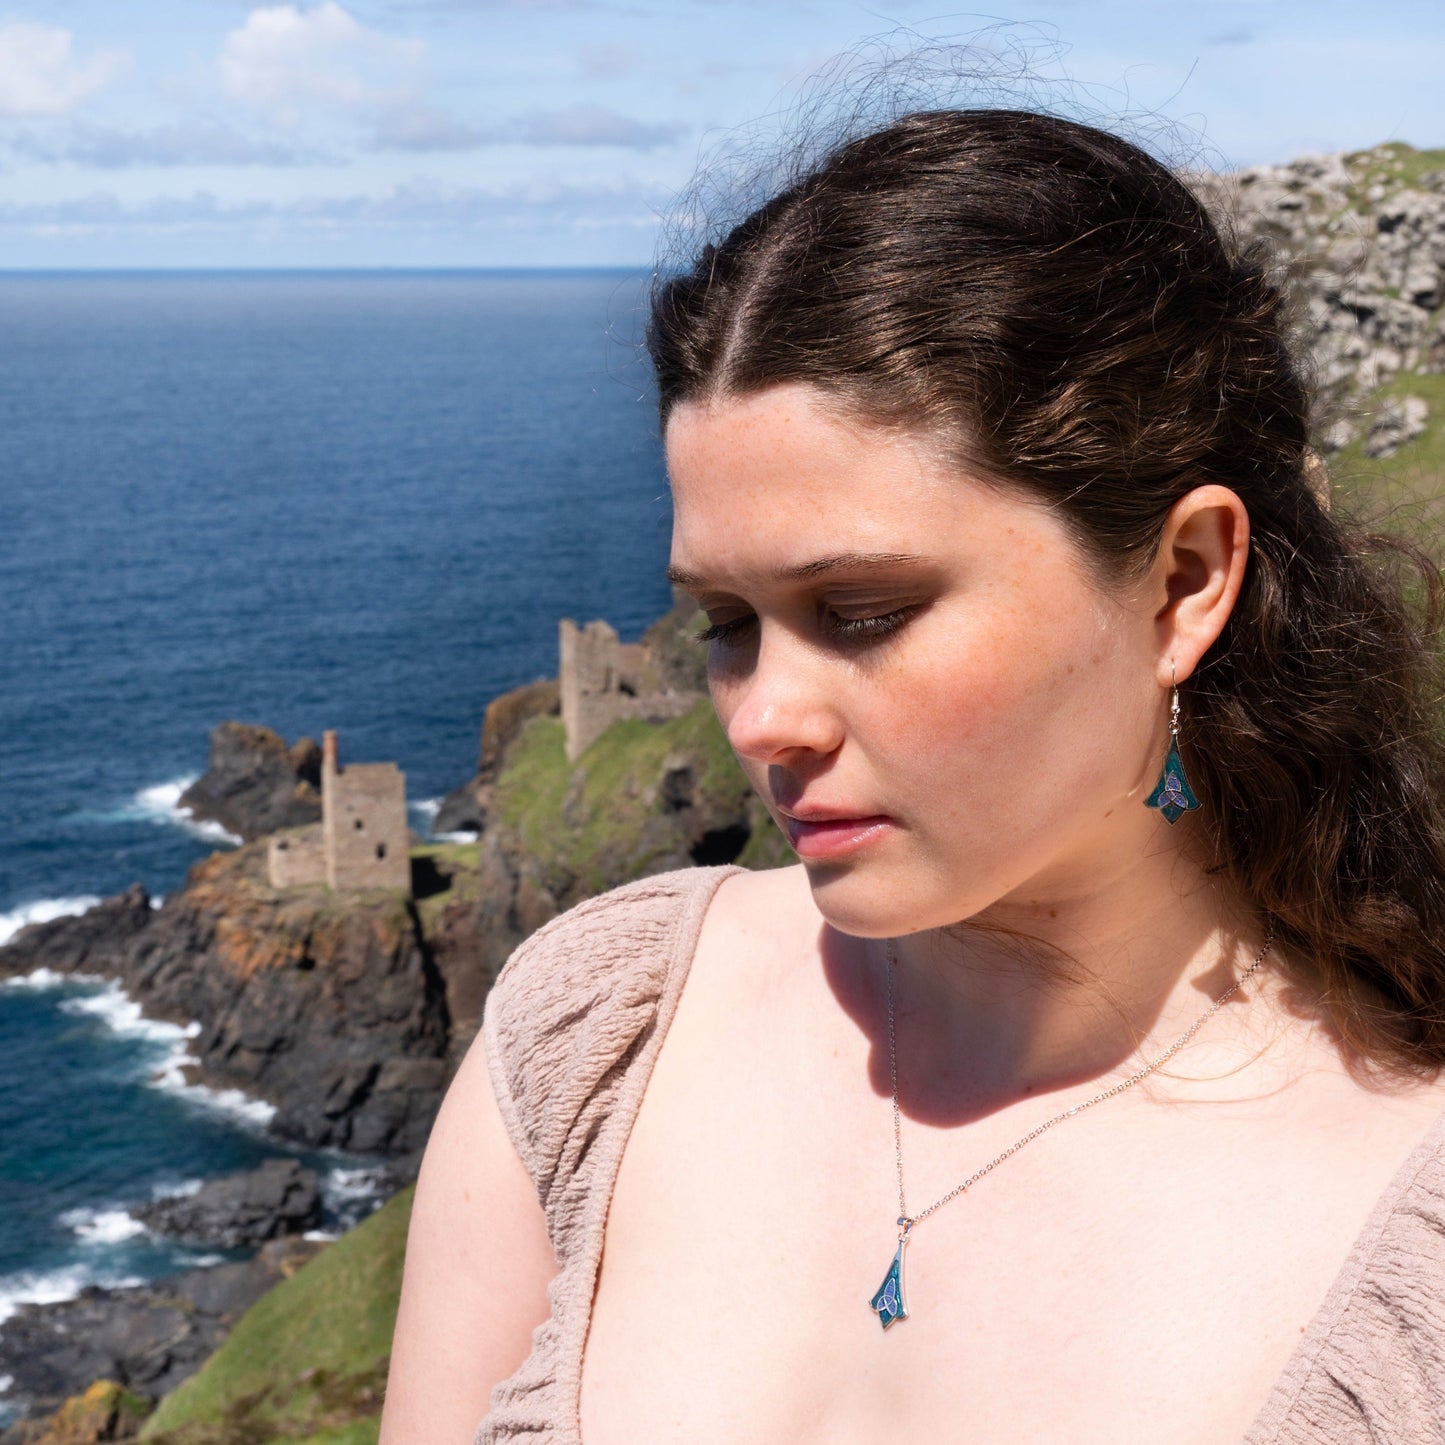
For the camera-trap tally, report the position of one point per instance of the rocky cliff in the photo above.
(329, 1006)
(254, 783)
(1360, 242)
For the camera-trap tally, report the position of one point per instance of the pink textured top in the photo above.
(573, 1028)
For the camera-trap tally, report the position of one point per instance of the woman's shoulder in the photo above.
(576, 998)
(631, 927)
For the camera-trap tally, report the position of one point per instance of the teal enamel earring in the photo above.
(1173, 796)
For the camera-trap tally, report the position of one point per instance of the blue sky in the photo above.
(556, 132)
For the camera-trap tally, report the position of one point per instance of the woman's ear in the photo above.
(1199, 570)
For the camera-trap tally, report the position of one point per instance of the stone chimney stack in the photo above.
(328, 750)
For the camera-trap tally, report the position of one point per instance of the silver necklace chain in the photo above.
(906, 1222)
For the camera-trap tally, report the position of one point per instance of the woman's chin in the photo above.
(861, 900)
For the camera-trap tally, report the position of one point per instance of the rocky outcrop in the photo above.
(240, 1210)
(1361, 241)
(327, 1005)
(147, 1339)
(644, 799)
(255, 783)
(106, 1411)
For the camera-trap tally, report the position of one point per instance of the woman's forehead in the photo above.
(781, 472)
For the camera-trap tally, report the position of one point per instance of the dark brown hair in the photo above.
(1063, 313)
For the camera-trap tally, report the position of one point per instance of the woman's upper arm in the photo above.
(478, 1261)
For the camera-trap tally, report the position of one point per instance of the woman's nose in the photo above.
(782, 705)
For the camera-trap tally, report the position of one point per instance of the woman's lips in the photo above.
(832, 837)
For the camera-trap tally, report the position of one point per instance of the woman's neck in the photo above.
(1051, 993)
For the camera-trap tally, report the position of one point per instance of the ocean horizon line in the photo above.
(16, 272)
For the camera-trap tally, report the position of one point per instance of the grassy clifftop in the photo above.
(307, 1362)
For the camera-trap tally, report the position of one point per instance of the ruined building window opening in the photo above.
(359, 824)
(381, 850)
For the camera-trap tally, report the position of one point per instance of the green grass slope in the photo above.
(307, 1362)
(593, 814)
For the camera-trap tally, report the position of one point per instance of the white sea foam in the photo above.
(323, 1235)
(466, 835)
(51, 1286)
(37, 979)
(122, 1015)
(42, 911)
(343, 1184)
(5, 1382)
(175, 1189)
(161, 803)
(119, 1012)
(102, 1226)
(241, 1107)
(427, 807)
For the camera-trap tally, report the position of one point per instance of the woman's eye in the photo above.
(724, 632)
(731, 632)
(866, 627)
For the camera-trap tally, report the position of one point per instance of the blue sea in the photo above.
(313, 500)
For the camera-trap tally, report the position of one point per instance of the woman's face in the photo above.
(914, 664)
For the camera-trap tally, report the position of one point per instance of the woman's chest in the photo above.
(1145, 1277)
(735, 1306)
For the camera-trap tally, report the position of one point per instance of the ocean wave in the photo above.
(175, 1188)
(343, 1184)
(37, 979)
(42, 911)
(45, 1287)
(161, 803)
(240, 1106)
(102, 1226)
(349, 1193)
(122, 1015)
(428, 808)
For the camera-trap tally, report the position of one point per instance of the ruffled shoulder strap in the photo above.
(571, 1027)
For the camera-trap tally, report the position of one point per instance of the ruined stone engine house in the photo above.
(362, 840)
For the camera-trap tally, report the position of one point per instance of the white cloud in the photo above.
(40, 73)
(592, 125)
(284, 56)
(420, 202)
(197, 143)
(418, 127)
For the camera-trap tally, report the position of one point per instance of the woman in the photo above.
(1097, 1066)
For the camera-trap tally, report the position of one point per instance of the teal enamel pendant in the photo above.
(888, 1303)
(1173, 796)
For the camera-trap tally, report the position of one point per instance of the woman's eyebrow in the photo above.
(800, 571)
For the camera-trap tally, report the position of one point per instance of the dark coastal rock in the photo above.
(148, 1338)
(106, 1411)
(461, 810)
(85, 942)
(241, 1209)
(255, 783)
(308, 999)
